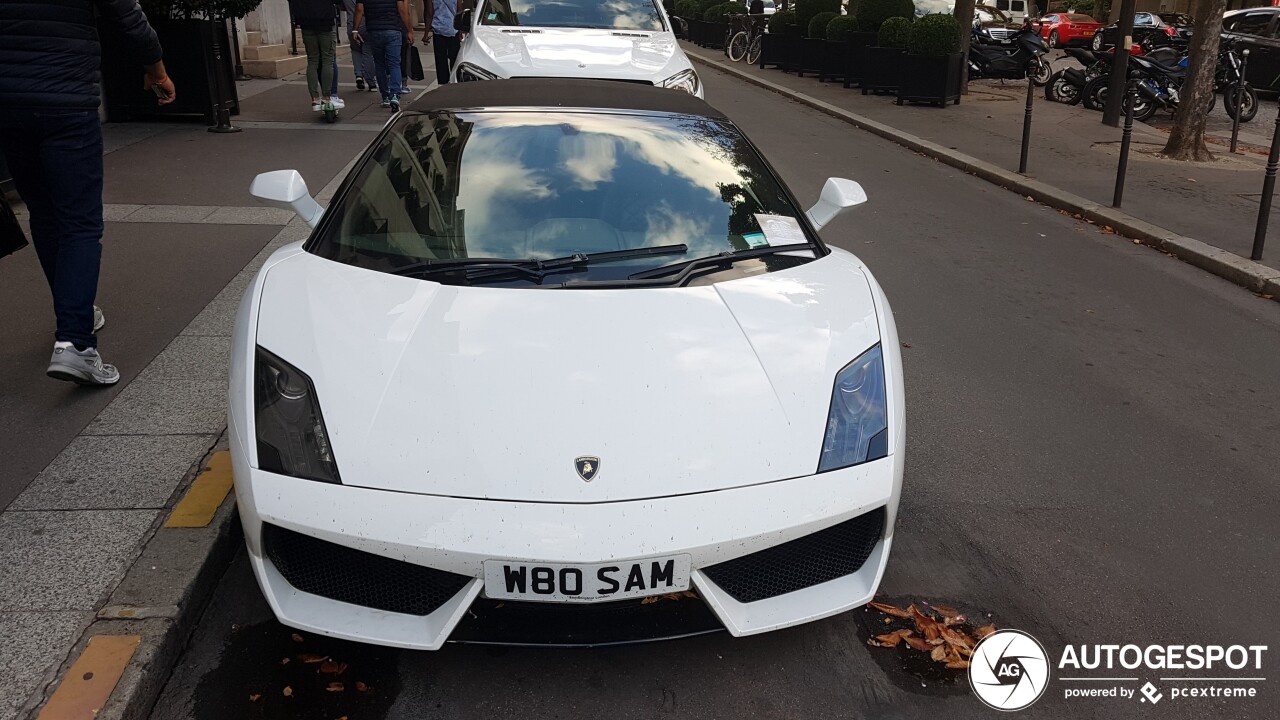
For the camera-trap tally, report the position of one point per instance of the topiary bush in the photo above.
(934, 35)
(700, 12)
(818, 25)
(841, 27)
(806, 9)
(873, 13)
(686, 8)
(784, 22)
(894, 33)
(717, 13)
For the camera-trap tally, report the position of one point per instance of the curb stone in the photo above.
(1244, 272)
(161, 598)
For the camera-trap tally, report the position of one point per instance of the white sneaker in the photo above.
(99, 320)
(83, 367)
(338, 103)
(316, 106)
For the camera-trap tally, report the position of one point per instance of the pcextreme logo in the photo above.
(1010, 670)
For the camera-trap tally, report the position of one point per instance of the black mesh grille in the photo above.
(804, 562)
(341, 573)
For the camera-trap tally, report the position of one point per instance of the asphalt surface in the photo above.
(1092, 455)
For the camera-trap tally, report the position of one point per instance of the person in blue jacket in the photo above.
(51, 137)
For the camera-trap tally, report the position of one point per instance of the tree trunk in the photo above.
(964, 13)
(1186, 141)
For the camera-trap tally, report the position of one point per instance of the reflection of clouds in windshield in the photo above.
(591, 159)
(672, 150)
(664, 226)
(615, 14)
(493, 175)
(629, 15)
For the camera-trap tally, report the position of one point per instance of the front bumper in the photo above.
(456, 535)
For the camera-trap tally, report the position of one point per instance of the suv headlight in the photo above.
(686, 80)
(290, 429)
(858, 421)
(469, 73)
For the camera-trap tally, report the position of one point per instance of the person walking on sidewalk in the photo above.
(51, 138)
(361, 56)
(389, 28)
(444, 36)
(316, 18)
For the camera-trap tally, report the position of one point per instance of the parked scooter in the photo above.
(1024, 56)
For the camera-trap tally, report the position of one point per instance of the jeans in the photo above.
(446, 50)
(361, 58)
(56, 161)
(386, 46)
(321, 59)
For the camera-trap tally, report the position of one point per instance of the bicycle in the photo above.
(747, 43)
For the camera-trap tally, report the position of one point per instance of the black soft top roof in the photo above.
(561, 93)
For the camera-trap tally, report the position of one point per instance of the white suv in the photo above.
(626, 40)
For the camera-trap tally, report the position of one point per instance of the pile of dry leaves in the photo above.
(941, 632)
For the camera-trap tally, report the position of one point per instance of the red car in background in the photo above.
(1064, 29)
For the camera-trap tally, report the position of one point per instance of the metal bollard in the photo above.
(1026, 125)
(1268, 189)
(235, 40)
(1235, 122)
(222, 113)
(1131, 91)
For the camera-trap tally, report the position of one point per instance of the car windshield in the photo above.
(990, 14)
(1078, 18)
(600, 14)
(454, 189)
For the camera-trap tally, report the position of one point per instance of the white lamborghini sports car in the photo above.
(563, 362)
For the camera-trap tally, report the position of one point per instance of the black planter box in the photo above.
(197, 55)
(779, 50)
(809, 60)
(932, 79)
(856, 56)
(881, 69)
(715, 34)
(835, 61)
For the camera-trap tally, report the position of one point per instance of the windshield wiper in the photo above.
(677, 273)
(535, 269)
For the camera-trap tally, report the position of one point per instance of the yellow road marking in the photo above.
(89, 682)
(197, 507)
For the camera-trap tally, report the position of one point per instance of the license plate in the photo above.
(1006, 41)
(551, 582)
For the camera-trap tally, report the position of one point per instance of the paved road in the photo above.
(1092, 458)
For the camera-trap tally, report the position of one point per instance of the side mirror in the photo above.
(286, 189)
(837, 196)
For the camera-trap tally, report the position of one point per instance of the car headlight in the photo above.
(290, 429)
(858, 421)
(469, 73)
(686, 80)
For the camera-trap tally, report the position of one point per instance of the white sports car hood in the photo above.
(493, 392)
(576, 52)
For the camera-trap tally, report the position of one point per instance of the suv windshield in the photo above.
(601, 14)
(444, 189)
(990, 14)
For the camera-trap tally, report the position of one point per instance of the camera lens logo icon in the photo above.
(1009, 670)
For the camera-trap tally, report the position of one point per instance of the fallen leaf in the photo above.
(956, 620)
(336, 687)
(361, 687)
(892, 639)
(1107, 229)
(918, 644)
(649, 600)
(329, 667)
(288, 691)
(927, 625)
(296, 637)
(958, 664)
(945, 610)
(890, 610)
(984, 631)
(254, 697)
(939, 653)
(906, 345)
(312, 658)
(955, 638)
(284, 661)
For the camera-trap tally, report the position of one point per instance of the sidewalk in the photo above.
(1071, 149)
(89, 478)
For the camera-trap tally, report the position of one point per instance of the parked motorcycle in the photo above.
(1067, 85)
(1227, 78)
(1024, 56)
